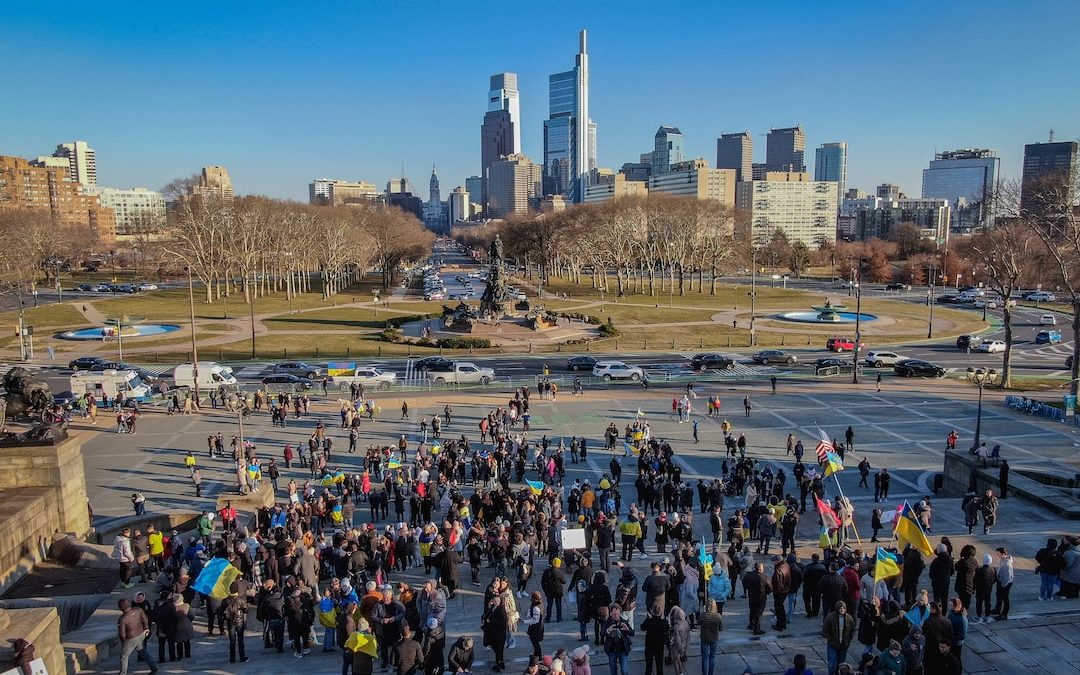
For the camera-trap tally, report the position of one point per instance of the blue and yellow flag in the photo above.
(887, 565)
(833, 463)
(254, 472)
(436, 448)
(393, 464)
(365, 643)
(216, 578)
(917, 615)
(327, 481)
(908, 531)
(706, 561)
(639, 413)
(536, 486)
(339, 477)
(633, 450)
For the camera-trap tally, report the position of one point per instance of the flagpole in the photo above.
(852, 507)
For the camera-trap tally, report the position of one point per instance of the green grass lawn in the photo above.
(54, 316)
(333, 319)
(728, 296)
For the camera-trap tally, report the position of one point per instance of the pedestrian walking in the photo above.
(196, 480)
(133, 627)
(772, 381)
(879, 381)
(404, 410)
(746, 405)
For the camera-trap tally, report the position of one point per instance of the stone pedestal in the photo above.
(59, 467)
(41, 626)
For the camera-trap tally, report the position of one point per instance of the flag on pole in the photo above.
(908, 531)
(215, 578)
(823, 449)
(536, 486)
(706, 561)
(887, 565)
(633, 450)
(833, 463)
(639, 413)
(828, 515)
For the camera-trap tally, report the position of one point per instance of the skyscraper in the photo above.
(514, 186)
(82, 162)
(569, 134)
(736, 151)
(504, 96)
(667, 149)
(966, 178)
(785, 150)
(830, 164)
(215, 180)
(1046, 162)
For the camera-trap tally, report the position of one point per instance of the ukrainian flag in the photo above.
(336, 515)
(436, 448)
(639, 413)
(630, 449)
(216, 578)
(833, 463)
(706, 561)
(393, 464)
(888, 565)
(339, 477)
(536, 486)
(254, 473)
(908, 531)
(364, 643)
(327, 481)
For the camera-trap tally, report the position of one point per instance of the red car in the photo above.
(842, 344)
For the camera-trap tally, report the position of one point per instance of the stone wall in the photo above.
(40, 626)
(59, 467)
(28, 517)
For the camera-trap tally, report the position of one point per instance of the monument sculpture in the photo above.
(30, 397)
(496, 297)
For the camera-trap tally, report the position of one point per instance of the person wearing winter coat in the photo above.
(965, 575)
(711, 625)
(688, 592)
(719, 588)
(941, 571)
(958, 618)
(838, 630)
(579, 661)
(534, 619)
(680, 639)
(869, 613)
(433, 646)
(185, 628)
(892, 660)
(914, 649)
(496, 626)
(461, 656)
(599, 596)
(985, 580)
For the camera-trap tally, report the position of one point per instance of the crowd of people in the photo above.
(314, 569)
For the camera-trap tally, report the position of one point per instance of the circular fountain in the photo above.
(827, 313)
(121, 327)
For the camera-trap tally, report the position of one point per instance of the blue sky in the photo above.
(283, 92)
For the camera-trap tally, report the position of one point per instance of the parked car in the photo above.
(85, 288)
(841, 344)
(773, 356)
(1047, 320)
(968, 342)
(992, 346)
(1040, 296)
(462, 372)
(948, 300)
(1048, 337)
(895, 286)
(147, 287)
(284, 382)
(577, 363)
(85, 363)
(711, 361)
(298, 368)
(917, 368)
(434, 363)
(879, 359)
(102, 288)
(616, 370)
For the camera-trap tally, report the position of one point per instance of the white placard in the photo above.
(573, 539)
(37, 667)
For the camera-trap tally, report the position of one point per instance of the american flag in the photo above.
(823, 449)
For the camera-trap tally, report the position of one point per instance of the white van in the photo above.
(110, 383)
(211, 375)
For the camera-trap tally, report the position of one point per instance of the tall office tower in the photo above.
(458, 206)
(496, 141)
(1043, 162)
(966, 178)
(214, 180)
(785, 150)
(736, 151)
(889, 191)
(504, 96)
(474, 185)
(514, 183)
(830, 164)
(319, 191)
(82, 162)
(569, 134)
(667, 149)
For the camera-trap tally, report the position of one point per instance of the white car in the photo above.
(369, 376)
(147, 287)
(1047, 320)
(992, 346)
(617, 370)
(879, 359)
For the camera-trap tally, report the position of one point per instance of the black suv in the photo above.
(434, 363)
(968, 341)
(85, 363)
(710, 361)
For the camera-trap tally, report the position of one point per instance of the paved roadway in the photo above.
(902, 429)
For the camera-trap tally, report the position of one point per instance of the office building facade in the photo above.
(804, 210)
(1043, 162)
(785, 150)
(514, 186)
(459, 208)
(736, 151)
(877, 217)
(569, 133)
(967, 178)
(667, 149)
(348, 193)
(621, 186)
(694, 178)
(830, 164)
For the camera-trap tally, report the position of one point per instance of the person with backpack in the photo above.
(657, 636)
(618, 640)
(235, 611)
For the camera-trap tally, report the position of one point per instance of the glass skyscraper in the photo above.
(967, 178)
(830, 163)
(569, 134)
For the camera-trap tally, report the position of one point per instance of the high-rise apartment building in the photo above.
(569, 133)
(1046, 162)
(877, 217)
(82, 162)
(967, 178)
(667, 149)
(319, 191)
(24, 185)
(830, 164)
(736, 151)
(215, 181)
(459, 207)
(694, 178)
(889, 191)
(138, 212)
(514, 186)
(791, 203)
(785, 150)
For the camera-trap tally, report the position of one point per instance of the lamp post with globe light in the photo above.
(981, 377)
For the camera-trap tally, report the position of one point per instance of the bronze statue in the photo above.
(496, 296)
(24, 395)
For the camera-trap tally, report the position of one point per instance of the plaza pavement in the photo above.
(902, 429)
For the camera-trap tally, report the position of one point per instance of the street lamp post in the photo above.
(930, 302)
(858, 317)
(981, 377)
(194, 343)
(753, 290)
(251, 309)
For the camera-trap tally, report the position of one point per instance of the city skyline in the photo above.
(188, 90)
